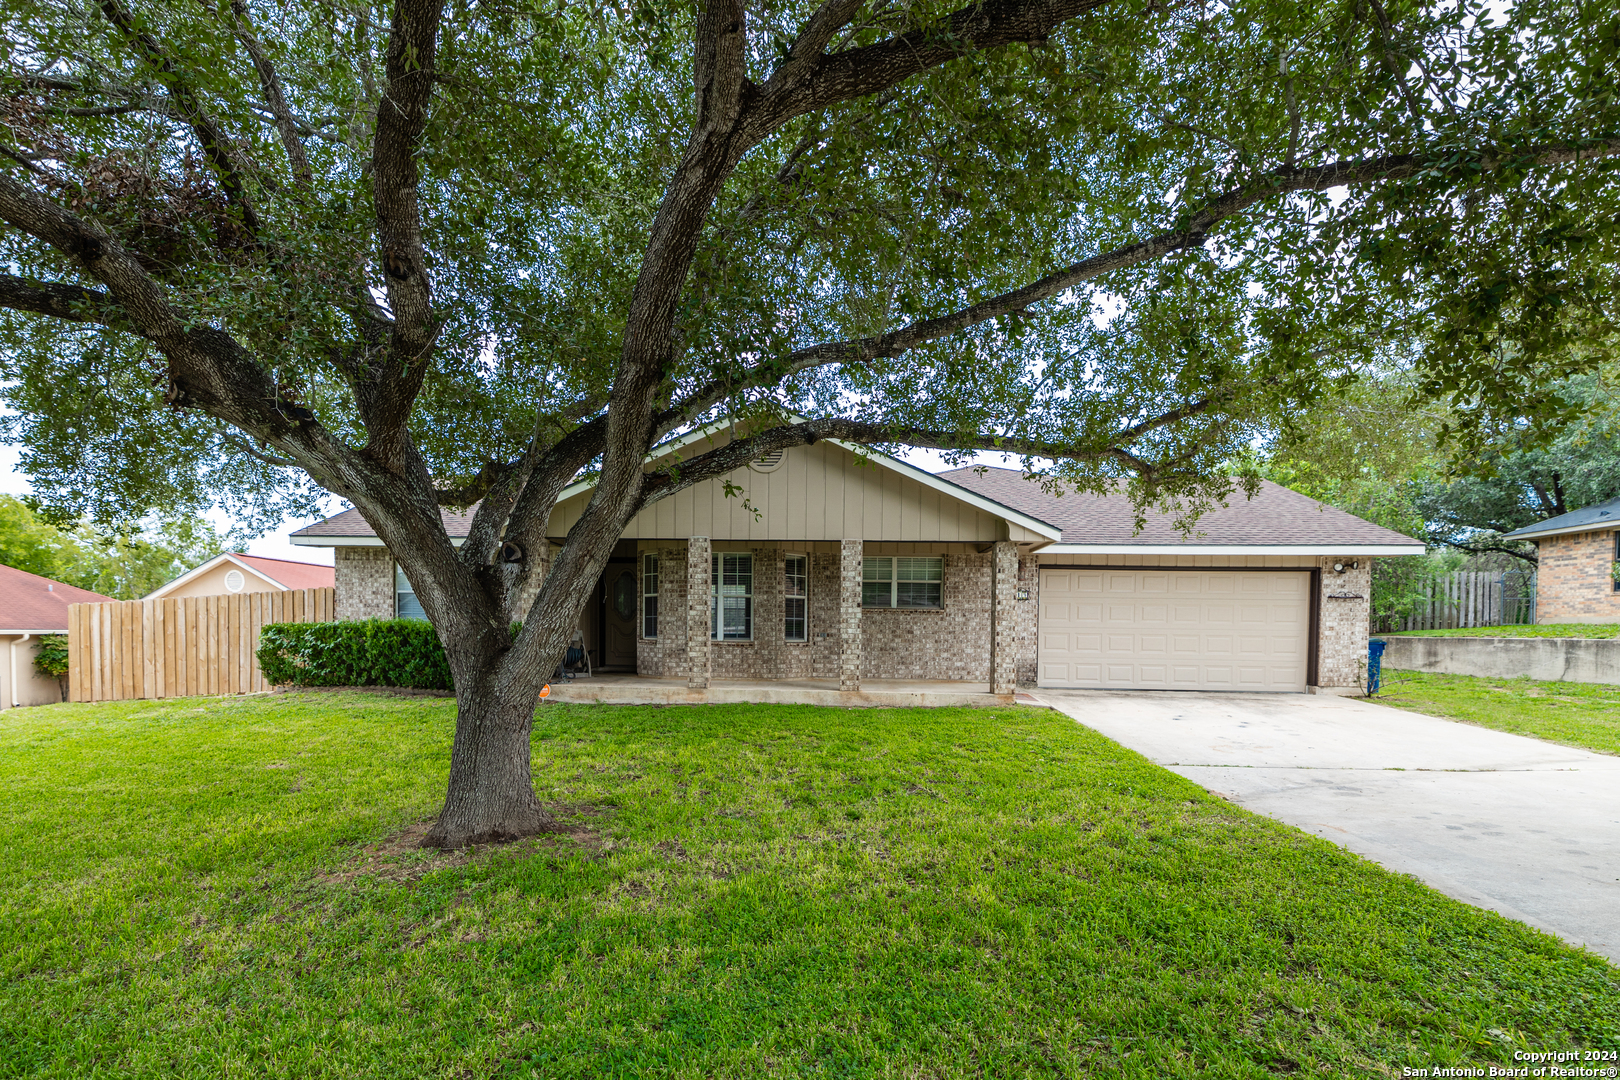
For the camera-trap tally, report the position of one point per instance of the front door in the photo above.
(619, 616)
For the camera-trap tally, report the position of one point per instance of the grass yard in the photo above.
(207, 888)
(1575, 630)
(1577, 714)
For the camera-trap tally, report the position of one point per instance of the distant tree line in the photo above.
(124, 564)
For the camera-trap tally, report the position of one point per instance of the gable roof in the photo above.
(1276, 521)
(1603, 515)
(30, 604)
(350, 529)
(285, 574)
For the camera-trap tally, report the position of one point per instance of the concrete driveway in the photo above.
(1524, 827)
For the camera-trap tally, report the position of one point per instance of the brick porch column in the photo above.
(1003, 618)
(850, 553)
(698, 573)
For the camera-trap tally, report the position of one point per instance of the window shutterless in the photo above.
(902, 581)
(406, 605)
(649, 596)
(795, 598)
(731, 597)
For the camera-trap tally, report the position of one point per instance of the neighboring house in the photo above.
(859, 566)
(30, 606)
(1574, 573)
(235, 572)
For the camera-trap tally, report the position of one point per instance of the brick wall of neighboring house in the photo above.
(364, 580)
(1573, 582)
(1346, 607)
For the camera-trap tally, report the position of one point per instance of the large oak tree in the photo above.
(434, 253)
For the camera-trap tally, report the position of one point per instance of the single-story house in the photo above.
(850, 565)
(1575, 581)
(235, 572)
(31, 605)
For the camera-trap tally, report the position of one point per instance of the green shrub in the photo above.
(371, 652)
(51, 659)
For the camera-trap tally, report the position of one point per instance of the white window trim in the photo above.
(894, 583)
(657, 574)
(715, 630)
(399, 572)
(786, 555)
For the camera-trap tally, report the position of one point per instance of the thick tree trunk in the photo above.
(491, 793)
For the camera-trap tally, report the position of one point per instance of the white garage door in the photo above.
(1174, 629)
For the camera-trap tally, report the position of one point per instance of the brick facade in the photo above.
(364, 579)
(1345, 611)
(953, 642)
(1573, 581)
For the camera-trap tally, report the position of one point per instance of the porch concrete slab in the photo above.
(1519, 826)
(874, 693)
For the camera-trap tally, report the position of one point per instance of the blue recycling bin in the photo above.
(1375, 665)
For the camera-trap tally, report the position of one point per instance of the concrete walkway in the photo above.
(1527, 828)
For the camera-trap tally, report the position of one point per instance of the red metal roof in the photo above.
(29, 602)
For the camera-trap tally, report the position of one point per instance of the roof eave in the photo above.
(1234, 549)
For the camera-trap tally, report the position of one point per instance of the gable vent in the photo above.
(234, 581)
(767, 462)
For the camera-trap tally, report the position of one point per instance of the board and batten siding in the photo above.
(819, 492)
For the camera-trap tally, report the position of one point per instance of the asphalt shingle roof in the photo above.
(31, 602)
(1276, 515)
(350, 524)
(294, 575)
(1603, 515)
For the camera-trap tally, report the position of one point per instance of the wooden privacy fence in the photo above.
(178, 646)
(1471, 598)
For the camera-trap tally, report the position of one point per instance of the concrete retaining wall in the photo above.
(1552, 659)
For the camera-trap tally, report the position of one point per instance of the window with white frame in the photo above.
(731, 597)
(796, 598)
(902, 581)
(649, 596)
(406, 605)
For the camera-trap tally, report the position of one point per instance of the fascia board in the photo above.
(1590, 526)
(352, 541)
(52, 630)
(1232, 549)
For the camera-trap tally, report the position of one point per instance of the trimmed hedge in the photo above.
(369, 652)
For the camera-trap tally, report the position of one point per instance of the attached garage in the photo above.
(1174, 629)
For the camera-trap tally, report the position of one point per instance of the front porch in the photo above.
(620, 689)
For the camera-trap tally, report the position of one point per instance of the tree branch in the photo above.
(387, 396)
(1196, 225)
(662, 483)
(270, 82)
(805, 86)
(59, 300)
(216, 146)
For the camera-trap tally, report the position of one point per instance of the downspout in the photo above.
(15, 700)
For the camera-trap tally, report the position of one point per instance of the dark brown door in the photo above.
(619, 618)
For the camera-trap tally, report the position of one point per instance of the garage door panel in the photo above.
(1184, 629)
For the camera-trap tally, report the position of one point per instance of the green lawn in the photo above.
(1576, 630)
(202, 888)
(1579, 714)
